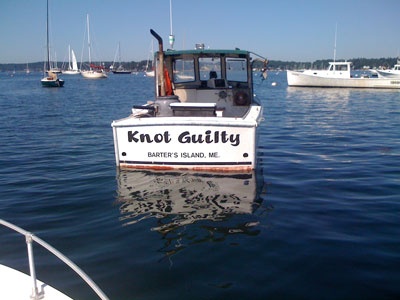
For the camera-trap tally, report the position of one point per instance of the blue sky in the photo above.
(298, 30)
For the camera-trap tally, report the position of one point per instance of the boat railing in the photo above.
(29, 238)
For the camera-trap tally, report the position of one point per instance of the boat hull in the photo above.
(122, 72)
(93, 74)
(388, 73)
(150, 74)
(17, 285)
(295, 78)
(207, 144)
(52, 82)
(71, 72)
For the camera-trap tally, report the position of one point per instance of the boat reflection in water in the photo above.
(176, 199)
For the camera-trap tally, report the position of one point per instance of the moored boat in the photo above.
(94, 71)
(390, 73)
(120, 69)
(72, 63)
(149, 71)
(204, 116)
(338, 75)
(50, 79)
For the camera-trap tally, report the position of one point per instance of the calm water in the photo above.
(319, 219)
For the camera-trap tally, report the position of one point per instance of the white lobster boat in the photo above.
(204, 116)
(338, 75)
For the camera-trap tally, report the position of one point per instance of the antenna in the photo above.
(171, 36)
(334, 49)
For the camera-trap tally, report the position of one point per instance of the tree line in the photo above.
(358, 64)
(38, 66)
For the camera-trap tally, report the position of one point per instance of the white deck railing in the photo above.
(29, 237)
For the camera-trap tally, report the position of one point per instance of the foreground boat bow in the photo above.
(204, 116)
(17, 285)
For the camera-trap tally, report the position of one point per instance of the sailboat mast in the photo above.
(47, 38)
(88, 28)
(119, 53)
(69, 57)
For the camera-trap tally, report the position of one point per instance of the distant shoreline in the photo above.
(358, 64)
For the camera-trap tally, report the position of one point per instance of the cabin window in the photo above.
(183, 70)
(210, 67)
(338, 68)
(236, 69)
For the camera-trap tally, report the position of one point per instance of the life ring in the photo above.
(241, 98)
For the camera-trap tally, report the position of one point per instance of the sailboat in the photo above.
(150, 72)
(51, 79)
(72, 63)
(27, 69)
(171, 39)
(94, 72)
(120, 69)
(53, 67)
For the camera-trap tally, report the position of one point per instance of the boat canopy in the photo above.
(206, 51)
(340, 66)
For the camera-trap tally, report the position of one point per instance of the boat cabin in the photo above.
(335, 70)
(339, 66)
(396, 68)
(204, 82)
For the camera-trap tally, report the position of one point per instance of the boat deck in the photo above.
(16, 285)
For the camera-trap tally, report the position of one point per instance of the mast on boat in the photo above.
(88, 28)
(119, 54)
(69, 58)
(47, 38)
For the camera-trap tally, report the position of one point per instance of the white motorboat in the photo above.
(16, 285)
(204, 116)
(338, 75)
(390, 73)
